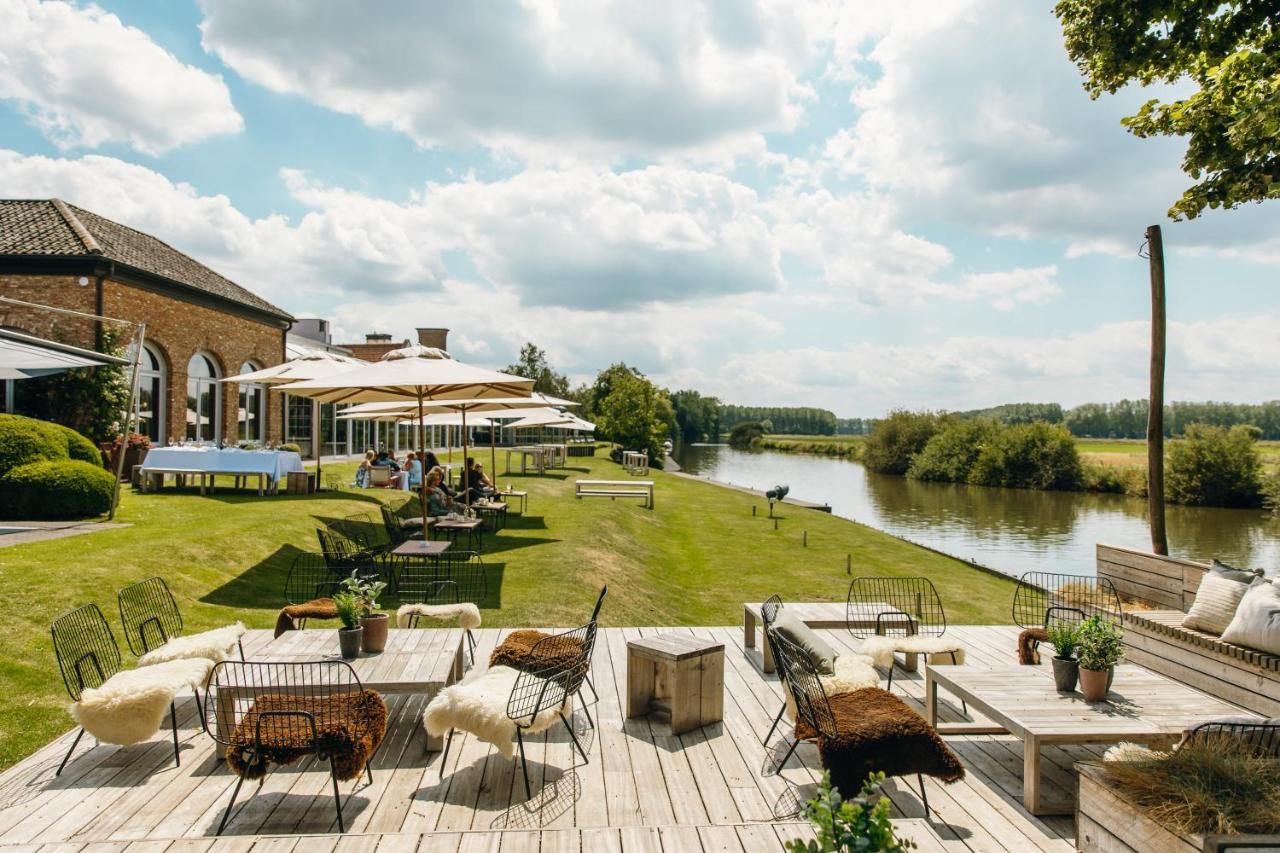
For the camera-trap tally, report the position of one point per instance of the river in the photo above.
(1012, 530)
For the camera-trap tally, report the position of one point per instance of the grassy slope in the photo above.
(692, 561)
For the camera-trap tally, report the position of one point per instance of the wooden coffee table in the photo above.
(1142, 707)
(414, 661)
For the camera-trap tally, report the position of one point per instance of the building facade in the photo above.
(200, 327)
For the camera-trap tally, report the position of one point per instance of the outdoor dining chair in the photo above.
(892, 614)
(1042, 598)
(276, 713)
(151, 620)
(427, 589)
(311, 577)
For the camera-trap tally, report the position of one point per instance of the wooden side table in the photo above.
(679, 675)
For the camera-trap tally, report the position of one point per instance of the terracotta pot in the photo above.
(1094, 683)
(349, 641)
(1065, 673)
(375, 632)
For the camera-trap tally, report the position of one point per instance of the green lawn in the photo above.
(691, 561)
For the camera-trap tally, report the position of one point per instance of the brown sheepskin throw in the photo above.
(516, 651)
(1029, 645)
(878, 732)
(291, 615)
(349, 728)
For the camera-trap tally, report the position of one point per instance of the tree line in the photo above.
(789, 420)
(1128, 418)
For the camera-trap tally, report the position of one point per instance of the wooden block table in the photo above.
(677, 674)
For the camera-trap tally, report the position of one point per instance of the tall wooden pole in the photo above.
(1155, 407)
(127, 420)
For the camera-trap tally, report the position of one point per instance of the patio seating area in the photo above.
(711, 788)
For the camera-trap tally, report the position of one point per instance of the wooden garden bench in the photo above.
(615, 489)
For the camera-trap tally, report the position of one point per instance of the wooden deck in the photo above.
(644, 789)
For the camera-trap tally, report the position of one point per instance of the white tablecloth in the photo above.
(274, 463)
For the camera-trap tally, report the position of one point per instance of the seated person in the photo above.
(362, 473)
(384, 459)
(438, 501)
(413, 471)
(475, 482)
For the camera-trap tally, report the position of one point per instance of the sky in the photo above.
(860, 206)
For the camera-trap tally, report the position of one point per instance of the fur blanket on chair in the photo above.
(216, 645)
(130, 706)
(1028, 645)
(853, 672)
(317, 608)
(478, 705)
(349, 728)
(466, 614)
(516, 651)
(881, 649)
(879, 732)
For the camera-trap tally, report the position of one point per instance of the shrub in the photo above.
(859, 823)
(1117, 479)
(56, 488)
(746, 434)
(1215, 466)
(1029, 456)
(26, 440)
(952, 451)
(895, 440)
(295, 448)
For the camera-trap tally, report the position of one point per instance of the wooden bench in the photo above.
(1156, 639)
(615, 489)
(153, 478)
(825, 614)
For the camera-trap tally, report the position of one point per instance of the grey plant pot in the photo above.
(1066, 671)
(349, 641)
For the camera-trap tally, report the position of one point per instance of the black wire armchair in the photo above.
(907, 607)
(1043, 598)
(150, 616)
(1261, 738)
(275, 713)
(433, 593)
(87, 657)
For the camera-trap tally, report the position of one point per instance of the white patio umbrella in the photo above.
(310, 364)
(421, 374)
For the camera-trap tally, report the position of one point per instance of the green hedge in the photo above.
(26, 440)
(56, 488)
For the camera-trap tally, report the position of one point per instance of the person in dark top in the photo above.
(474, 481)
(384, 460)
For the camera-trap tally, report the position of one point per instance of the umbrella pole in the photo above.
(493, 451)
(422, 487)
(466, 495)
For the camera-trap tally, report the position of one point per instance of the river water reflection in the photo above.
(1012, 530)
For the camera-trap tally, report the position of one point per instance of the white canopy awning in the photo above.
(25, 356)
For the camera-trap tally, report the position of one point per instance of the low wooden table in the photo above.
(415, 661)
(508, 494)
(495, 509)
(1143, 707)
(452, 527)
(421, 548)
(676, 674)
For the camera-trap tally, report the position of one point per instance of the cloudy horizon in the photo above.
(853, 206)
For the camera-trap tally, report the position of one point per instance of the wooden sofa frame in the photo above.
(1156, 639)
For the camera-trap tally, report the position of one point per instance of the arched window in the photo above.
(152, 401)
(253, 408)
(204, 399)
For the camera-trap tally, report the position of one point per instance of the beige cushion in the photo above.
(816, 648)
(1257, 621)
(1215, 603)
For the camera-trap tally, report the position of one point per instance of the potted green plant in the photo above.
(1064, 636)
(858, 824)
(375, 624)
(349, 635)
(1100, 648)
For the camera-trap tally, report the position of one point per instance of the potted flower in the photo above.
(135, 451)
(366, 591)
(1064, 636)
(1100, 648)
(349, 635)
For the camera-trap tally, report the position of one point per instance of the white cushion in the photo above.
(1256, 624)
(1215, 604)
(216, 645)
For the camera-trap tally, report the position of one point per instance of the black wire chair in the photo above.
(768, 613)
(1042, 598)
(1260, 738)
(546, 689)
(812, 704)
(367, 536)
(464, 568)
(398, 532)
(87, 656)
(310, 576)
(150, 616)
(423, 591)
(884, 606)
(300, 702)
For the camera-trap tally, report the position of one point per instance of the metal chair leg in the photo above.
(776, 720)
(889, 686)
(785, 758)
(574, 737)
(67, 757)
(924, 797)
(173, 715)
(231, 805)
(587, 678)
(524, 766)
(337, 798)
(448, 742)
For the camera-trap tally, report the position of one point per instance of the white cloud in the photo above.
(542, 80)
(85, 79)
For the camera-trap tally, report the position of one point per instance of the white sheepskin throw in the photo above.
(478, 704)
(1126, 751)
(853, 672)
(467, 614)
(881, 649)
(131, 705)
(216, 645)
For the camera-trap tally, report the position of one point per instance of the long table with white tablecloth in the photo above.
(232, 461)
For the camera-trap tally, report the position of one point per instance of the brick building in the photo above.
(200, 326)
